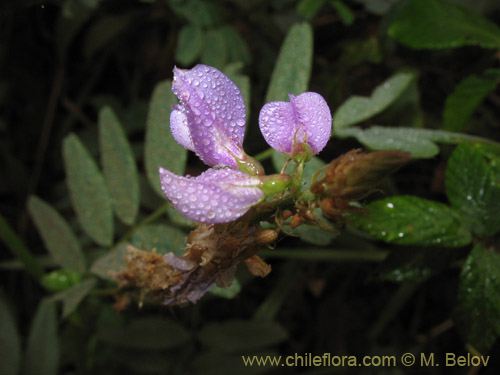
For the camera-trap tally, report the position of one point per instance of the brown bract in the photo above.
(212, 255)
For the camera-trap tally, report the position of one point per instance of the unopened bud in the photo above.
(266, 236)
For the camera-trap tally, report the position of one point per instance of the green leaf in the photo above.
(357, 108)
(309, 8)
(147, 333)
(409, 220)
(293, 68)
(112, 261)
(228, 292)
(161, 149)
(10, 341)
(478, 303)
(104, 30)
(71, 298)
(346, 15)
(236, 46)
(314, 235)
(189, 44)
(473, 188)
(197, 12)
(42, 352)
(19, 249)
(60, 280)
(409, 264)
(215, 49)
(467, 97)
(160, 237)
(119, 168)
(239, 335)
(88, 191)
(57, 235)
(420, 143)
(434, 24)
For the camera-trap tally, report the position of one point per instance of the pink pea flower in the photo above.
(306, 119)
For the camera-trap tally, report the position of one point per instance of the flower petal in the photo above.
(215, 113)
(276, 120)
(305, 116)
(179, 128)
(313, 112)
(216, 196)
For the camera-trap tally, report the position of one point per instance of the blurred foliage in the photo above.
(85, 103)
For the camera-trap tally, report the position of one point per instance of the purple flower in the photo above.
(215, 196)
(305, 119)
(210, 118)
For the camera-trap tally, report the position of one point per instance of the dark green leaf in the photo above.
(71, 298)
(239, 335)
(309, 8)
(42, 352)
(112, 261)
(189, 44)
(147, 333)
(88, 191)
(229, 292)
(59, 239)
(104, 30)
(345, 14)
(415, 264)
(161, 149)
(215, 49)
(474, 190)
(19, 249)
(420, 143)
(314, 235)
(10, 341)
(478, 305)
(60, 280)
(237, 48)
(409, 220)
(357, 108)
(293, 68)
(439, 24)
(119, 168)
(160, 237)
(468, 95)
(197, 12)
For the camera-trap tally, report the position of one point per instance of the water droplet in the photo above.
(211, 214)
(390, 205)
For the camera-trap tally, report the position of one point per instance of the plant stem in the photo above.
(266, 154)
(149, 219)
(314, 254)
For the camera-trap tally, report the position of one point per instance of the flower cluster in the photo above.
(210, 121)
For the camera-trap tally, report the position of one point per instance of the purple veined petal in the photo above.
(215, 196)
(306, 117)
(215, 113)
(179, 128)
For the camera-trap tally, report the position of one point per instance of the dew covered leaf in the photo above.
(10, 341)
(478, 302)
(435, 24)
(473, 188)
(160, 148)
(420, 143)
(239, 335)
(119, 168)
(358, 108)
(293, 67)
(57, 235)
(215, 51)
(468, 95)
(409, 220)
(42, 352)
(88, 191)
(163, 238)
